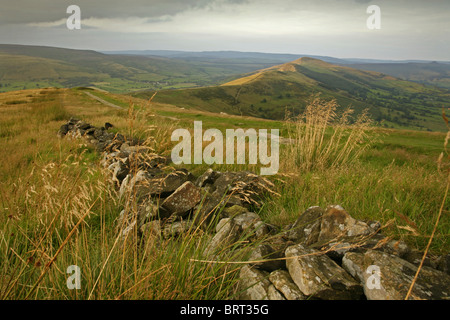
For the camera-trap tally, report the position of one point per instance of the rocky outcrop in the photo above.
(325, 254)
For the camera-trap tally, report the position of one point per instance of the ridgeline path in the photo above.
(103, 101)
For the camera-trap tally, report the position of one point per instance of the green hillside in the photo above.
(29, 67)
(432, 73)
(268, 93)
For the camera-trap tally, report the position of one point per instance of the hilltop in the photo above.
(269, 92)
(251, 84)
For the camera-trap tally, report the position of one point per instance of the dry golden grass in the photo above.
(59, 208)
(322, 138)
(243, 80)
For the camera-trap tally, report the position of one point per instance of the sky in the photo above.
(409, 29)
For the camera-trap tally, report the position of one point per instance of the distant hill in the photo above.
(269, 92)
(248, 83)
(24, 67)
(421, 71)
(230, 56)
(432, 73)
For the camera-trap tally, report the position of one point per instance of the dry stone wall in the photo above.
(325, 254)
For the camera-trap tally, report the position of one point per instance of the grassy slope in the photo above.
(270, 92)
(41, 175)
(48, 66)
(436, 74)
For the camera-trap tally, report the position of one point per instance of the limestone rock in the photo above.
(353, 263)
(306, 228)
(183, 199)
(396, 276)
(245, 186)
(246, 220)
(443, 263)
(266, 252)
(274, 294)
(207, 210)
(253, 284)
(149, 210)
(233, 211)
(128, 230)
(208, 177)
(63, 130)
(283, 282)
(317, 276)
(227, 234)
(261, 230)
(162, 184)
(336, 223)
(252, 225)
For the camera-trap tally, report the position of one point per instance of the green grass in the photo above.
(47, 186)
(393, 103)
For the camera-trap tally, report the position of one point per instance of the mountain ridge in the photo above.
(270, 91)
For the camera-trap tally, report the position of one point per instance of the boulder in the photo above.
(443, 263)
(119, 170)
(207, 210)
(246, 220)
(233, 211)
(63, 130)
(149, 210)
(353, 263)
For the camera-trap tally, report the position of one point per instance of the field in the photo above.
(58, 209)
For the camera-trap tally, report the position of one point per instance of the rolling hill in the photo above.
(435, 73)
(25, 67)
(242, 83)
(268, 92)
(431, 73)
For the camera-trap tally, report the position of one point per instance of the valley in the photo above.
(407, 95)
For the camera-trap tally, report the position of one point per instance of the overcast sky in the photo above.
(410, 29)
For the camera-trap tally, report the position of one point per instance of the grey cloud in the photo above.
(30, 11)
(410, 28)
